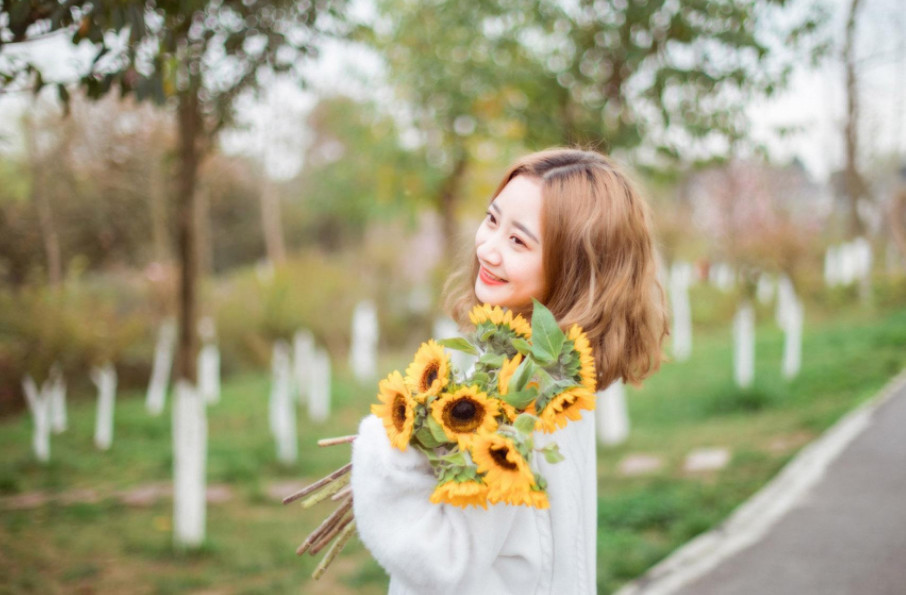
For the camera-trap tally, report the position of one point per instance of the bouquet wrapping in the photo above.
(475, 426)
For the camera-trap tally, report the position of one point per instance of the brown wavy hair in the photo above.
(598, 260)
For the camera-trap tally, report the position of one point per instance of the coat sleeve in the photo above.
(427, 547)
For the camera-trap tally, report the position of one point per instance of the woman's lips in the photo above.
(489, 279)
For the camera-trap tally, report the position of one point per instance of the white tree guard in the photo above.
(160, 372)
(764, 291)
(39, 406)
(283, 406)
(612, 415)
(209, 373)
(104, 378)
(680, 280)
(363, 351)
(446, 328)
(280, 383)
(303, 353)
(57, 400)
(786, 301)
(744, 346)
(792, 343)
(190, 445)
(722, 276)
(319, 387)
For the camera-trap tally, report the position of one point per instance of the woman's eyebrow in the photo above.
(518, 225)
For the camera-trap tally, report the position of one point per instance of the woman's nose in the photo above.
(487, 250)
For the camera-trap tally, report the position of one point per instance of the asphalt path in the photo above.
(842, 532)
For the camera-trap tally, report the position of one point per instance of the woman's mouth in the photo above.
(488, 279)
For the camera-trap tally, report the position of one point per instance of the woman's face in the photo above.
(508, 246)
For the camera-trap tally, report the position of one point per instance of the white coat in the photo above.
(435, 549)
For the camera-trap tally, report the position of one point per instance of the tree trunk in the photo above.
(40, 192)
(190, 129)
(854, 183)
(158, 195)
(447, 198)
(270, 222)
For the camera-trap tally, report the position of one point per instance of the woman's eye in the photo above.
(517, 241)
(491, 218)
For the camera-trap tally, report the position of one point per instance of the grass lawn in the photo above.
(98, 544)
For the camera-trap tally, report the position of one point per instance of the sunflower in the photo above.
(503, 384)
(587, 375)
(396, 409)
(507, 473)
(500, 317)
(564, 407)
(538, 499)
(464, 413)
(461, 493)
(429, 373)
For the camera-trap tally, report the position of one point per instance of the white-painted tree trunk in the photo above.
(744, 346)
(39, 406)
(104, 378)
(160, 372)
(280, 383)
(319, 387)
(363, 351)
(303, 354)
(792, 343)
(612, 415)
(209, 373)
(58, 418)
(446, 328)
(283, 406)
(680, 279)
(190, 445)
(765, 288)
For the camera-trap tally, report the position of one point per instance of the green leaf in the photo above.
(525, 424)
(492, 359)
(459, 344)
(522, 375)
(423, 435)
(521, 399)
(547, 338)
(437, 432)
(552, 454)
(481, 379)
(521, 345)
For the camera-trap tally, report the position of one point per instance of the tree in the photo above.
(660, 82)
(854, 184)
(197, 56)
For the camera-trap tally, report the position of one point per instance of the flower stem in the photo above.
(319, 484)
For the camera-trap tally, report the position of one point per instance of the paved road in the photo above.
(845, 534)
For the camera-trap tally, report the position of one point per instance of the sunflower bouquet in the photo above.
(475, 426)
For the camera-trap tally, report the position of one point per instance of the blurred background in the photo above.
(265, 168)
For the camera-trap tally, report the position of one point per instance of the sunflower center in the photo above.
(463, 415)
(430, 375)
(498, 453)
(399, 412)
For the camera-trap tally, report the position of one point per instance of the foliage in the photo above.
(354, 173)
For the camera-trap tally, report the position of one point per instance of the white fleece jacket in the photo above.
(435, 549)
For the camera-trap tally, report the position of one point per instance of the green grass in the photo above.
(109, 547)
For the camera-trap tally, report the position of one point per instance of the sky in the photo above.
(814, 102)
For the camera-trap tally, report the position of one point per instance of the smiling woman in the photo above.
(508, 247)
(566, 228)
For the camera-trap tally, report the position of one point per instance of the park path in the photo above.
(832, 523)
(143, 495)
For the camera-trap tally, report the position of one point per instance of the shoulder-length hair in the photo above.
(598, 260)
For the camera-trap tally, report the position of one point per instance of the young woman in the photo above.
(567, 228)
